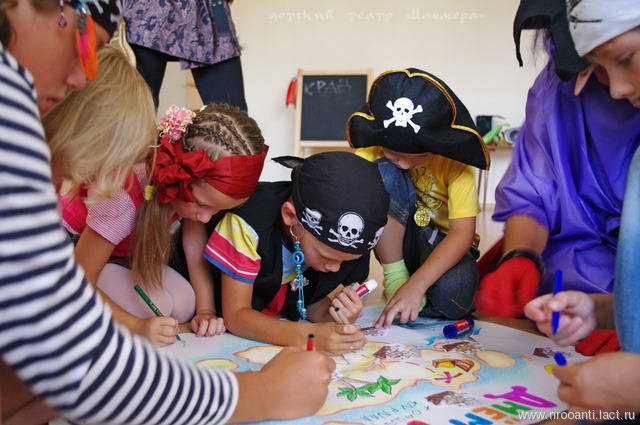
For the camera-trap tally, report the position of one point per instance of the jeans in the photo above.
(626, 289)
(221, 82)
(451, 296)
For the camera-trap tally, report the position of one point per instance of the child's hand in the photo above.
(577, 315)
(608, 382)
(205, 324)
(349, 303)
(406, 302)
(159, 330)
(298, 381)
(336, 338)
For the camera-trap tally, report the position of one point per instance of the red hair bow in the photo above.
(175, 172)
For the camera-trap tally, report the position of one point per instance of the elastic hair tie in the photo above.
(148, 192)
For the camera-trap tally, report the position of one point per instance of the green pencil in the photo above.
(150, 303)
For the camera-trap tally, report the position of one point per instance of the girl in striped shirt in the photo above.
(56, 334)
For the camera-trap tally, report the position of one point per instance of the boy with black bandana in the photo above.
(336, 208)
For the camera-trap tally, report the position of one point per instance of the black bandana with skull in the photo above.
(340, 199)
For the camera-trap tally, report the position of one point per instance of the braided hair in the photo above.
(218, 129)
(223, 130)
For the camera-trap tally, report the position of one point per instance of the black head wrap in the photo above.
(340, 199)
(106, 13)
(552, 14)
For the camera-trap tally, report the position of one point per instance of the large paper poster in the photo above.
(412, 374)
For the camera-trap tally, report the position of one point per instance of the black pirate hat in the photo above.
(551, 14)
(412, 111)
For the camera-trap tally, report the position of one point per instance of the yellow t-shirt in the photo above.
(445, 188)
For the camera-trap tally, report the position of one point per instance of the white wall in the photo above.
(467, 43)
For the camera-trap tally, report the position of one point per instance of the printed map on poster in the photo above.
(411, 374)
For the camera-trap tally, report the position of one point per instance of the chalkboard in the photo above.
(325, 100)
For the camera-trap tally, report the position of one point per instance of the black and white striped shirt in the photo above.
(55, 332)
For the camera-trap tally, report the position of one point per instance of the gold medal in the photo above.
(421, 217)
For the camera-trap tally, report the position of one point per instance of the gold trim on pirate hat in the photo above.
(412, 111)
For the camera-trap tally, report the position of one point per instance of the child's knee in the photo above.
(455, 302)
(452, 295)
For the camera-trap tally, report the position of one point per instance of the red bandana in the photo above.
(175, 171)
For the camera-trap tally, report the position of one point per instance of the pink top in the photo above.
(112, 218)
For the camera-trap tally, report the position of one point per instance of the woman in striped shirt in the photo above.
(56, 334)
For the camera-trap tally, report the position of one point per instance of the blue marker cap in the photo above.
(560, 359)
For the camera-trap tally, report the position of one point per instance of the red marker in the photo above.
(366, 287)
(311, 342)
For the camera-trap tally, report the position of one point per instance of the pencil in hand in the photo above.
(150, 303)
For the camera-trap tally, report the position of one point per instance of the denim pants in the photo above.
(451, 296)
(626, 289)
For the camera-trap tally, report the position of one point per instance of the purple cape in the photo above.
(569, 173)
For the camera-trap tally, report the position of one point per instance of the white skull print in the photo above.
(312, 218)
(403, 112)
(376, 238)
(350, 226)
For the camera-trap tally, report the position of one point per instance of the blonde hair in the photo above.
(97, 134)
(220, 130)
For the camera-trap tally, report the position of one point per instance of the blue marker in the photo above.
(560, 359)
(452, 330)
(557, 287)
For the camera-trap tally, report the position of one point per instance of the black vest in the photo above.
(262, 213)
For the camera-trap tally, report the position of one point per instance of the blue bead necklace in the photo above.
(299, 282)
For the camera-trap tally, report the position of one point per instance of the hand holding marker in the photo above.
(150, 303)
(362, 290)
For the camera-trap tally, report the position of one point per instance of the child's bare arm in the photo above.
(389, 247)
(524, 232)
(194, 240)
(244, 321)
(92, 252)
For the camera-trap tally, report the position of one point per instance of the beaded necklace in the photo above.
(299, 282)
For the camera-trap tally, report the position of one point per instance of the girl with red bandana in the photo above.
(205, 162)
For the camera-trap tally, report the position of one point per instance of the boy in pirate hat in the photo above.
(292, 243)
(425, 143)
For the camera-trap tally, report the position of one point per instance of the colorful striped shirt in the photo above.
(55, 332)
(233, 248)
